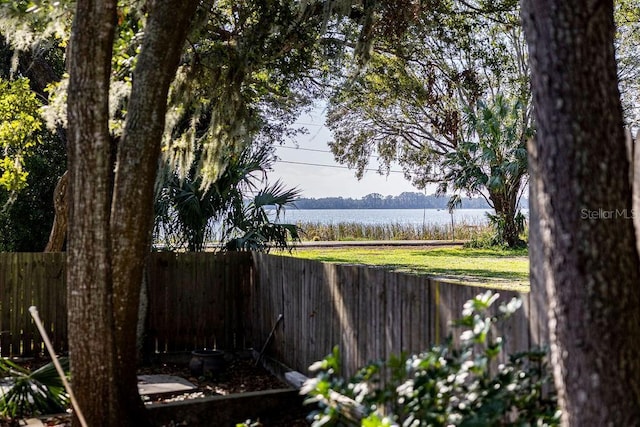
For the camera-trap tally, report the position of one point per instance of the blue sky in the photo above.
(299, 167)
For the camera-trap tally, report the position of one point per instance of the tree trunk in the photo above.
(504, 203)
(584, 244)
(511, 233)
(110, 219)
(138, 157)
(539, 310)
(89, 272)
(59, 229)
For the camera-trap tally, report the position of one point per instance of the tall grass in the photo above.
(316, 231)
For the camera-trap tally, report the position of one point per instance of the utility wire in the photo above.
(305, 149)
(308, 124)
(317, 150)
(330, 166)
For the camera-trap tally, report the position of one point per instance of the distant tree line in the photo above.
(406, 200)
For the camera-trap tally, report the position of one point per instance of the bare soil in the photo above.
(241, 375)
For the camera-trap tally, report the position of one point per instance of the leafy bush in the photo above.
(37, 392)
(482, 240)
(235, 209)
(500, 226)
(494, 235)
(26, 215)
(455, 384)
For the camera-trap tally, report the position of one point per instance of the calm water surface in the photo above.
(416, 217)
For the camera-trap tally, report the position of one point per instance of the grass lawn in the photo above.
(495, 268)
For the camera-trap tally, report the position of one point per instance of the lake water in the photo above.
(415, 217)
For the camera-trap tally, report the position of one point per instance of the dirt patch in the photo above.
(241, 375)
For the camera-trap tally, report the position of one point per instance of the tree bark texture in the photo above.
(89, 272)
(505, 204)
(110, 218)
(137, 164)
(583, 248)
(59, 228)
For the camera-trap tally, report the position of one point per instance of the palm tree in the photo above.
(188, 214)
(492, 162)
(250, 226)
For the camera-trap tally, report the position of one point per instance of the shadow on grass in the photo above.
(458, 273)
(473, 253)
(472, 272)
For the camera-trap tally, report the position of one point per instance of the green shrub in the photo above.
(482, 240)
(455, 384)
(492, 236)
(501, 231)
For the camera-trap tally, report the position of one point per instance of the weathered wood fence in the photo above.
(233, 301)
(195, 301)
(370, 313)
(28, 279)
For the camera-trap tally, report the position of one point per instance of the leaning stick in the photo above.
(36, 318)
(266, 343)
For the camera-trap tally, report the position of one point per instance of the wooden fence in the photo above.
(28, 279)
(195, 301)
(370, 313)
(233, 301)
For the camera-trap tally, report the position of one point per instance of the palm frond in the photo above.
(39, 392)
(186, 211)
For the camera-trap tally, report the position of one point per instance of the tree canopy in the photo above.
(19, 125)
(27, 212)
(627, 17)
(449, 101)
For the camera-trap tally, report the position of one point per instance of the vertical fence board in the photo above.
(515, 332)
(406, 304)
(372, 316)
(415, 308)
(20, 335)
(13, 300)
(214, 282)
(260, 305)
(346, 292)
(16, 300)
(269, 304)
(289, 326)
(393, 321)
(424, 307)
(313, 299)
(157, 273)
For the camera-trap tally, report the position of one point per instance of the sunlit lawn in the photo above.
(485, 267)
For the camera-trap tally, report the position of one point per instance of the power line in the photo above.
(318, 150)
(330, 166)
(305, 149)
(308, 124)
